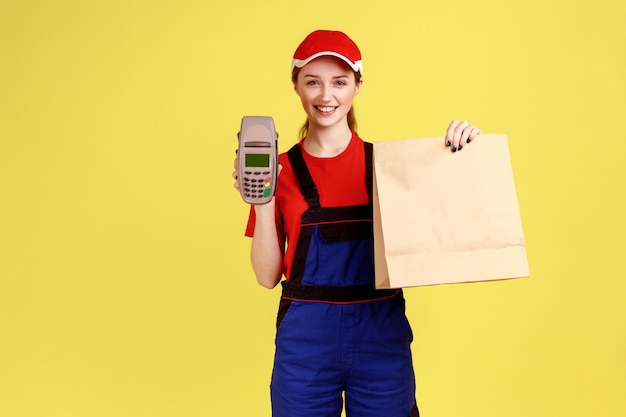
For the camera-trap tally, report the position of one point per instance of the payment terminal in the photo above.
(258, 159)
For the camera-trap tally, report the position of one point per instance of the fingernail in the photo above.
(468, 140)
(454, 149)
(448, 143)
(460, 147)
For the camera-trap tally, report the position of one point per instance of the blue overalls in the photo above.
(335, 332)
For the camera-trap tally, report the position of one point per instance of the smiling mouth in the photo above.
(326, 109)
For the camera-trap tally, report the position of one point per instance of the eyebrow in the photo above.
(317, 76)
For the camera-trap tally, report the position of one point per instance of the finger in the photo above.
(450, 132)
(236, 178)
(465, 135)
(458, 133)
(474, 132)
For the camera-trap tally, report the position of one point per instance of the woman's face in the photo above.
(326, 87)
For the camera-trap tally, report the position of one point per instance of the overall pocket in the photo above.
(340, 254)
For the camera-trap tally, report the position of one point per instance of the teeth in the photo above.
(325, 109)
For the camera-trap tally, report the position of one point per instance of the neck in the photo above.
(328, 142)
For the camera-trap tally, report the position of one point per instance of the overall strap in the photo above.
(307, 186)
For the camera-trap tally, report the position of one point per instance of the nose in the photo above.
(326, 93)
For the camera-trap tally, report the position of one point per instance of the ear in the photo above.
(358, 86)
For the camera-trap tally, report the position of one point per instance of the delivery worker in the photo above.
(336, 334)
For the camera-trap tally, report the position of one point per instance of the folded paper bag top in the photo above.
(442, 217)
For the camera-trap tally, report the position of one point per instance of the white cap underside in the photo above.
(356, 66)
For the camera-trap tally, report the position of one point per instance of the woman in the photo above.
(336, 334)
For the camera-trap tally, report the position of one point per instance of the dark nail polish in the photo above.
(468, 140)
(460, 147)
(454, 149)
(448, 143)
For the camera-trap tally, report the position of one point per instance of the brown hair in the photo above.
(304, 130)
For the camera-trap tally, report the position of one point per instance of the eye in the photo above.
(312, 82)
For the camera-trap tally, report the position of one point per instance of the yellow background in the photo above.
(125, 285)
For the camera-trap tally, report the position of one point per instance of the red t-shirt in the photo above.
(340, 181)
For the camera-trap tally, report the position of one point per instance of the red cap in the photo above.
(328, 43)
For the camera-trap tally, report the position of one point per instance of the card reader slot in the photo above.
(257, 144)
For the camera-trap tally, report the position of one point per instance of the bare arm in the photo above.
(267, 249)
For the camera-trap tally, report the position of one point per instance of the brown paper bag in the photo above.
(443, 217)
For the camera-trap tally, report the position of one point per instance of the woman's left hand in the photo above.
(459, 134)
